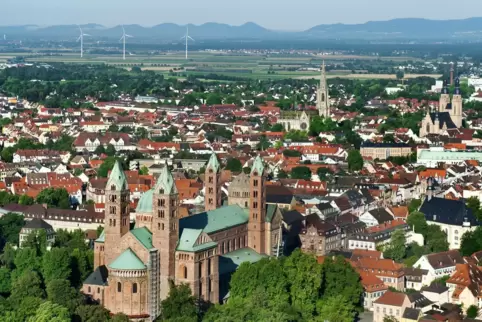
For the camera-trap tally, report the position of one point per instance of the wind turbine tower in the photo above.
(81, 38)
(187, 37)
(123, 38)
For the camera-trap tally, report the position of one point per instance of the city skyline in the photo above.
(269, 14)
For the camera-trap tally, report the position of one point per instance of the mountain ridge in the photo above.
(409, 28)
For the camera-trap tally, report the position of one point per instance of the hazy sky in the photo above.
(274, 14)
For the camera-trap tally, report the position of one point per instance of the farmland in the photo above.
(252, 66)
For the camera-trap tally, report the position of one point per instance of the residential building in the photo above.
(438, 264)
(383, 151)
(34, 226)
(390, 304)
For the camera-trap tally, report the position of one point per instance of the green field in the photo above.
(243, 66)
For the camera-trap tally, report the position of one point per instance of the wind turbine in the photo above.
(123, 38)
(187, 37)
(81, 38)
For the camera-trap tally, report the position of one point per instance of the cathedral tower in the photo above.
(117, 203)
(457, 102)
(444, 98)
(212, 193)
(322, 95)
(165, 226)
(257, 208)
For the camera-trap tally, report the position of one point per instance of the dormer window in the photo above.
(112, 187)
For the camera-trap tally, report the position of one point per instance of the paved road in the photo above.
(365, 317)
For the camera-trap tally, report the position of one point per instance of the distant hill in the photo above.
(407, 28)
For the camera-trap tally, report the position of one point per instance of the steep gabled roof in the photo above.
(117, 178)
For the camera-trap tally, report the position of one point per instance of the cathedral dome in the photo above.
(145, 203)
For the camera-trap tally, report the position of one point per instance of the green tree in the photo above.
(27, 284)
(400, 74)
(277, 128)
(234, 165)
(471, 242)
(10, 226)
(324, 173)
(113, 128)
(389, 138)
(144, 170)
(5, 281)
(110, 150)
(107, 165)
(301, 172)
(282, 174)
(355, 160)
(54, 197)
(60, 292)
(92, 313)
(340, 278)
(472, 312)
(213, 99)
(436, 239)
(26, 259)
(78, 172)
(335, 308)
(397, 248)
(120, 317)
(473, 203)
(414, 205)
(142, 133)
(25, 200)
(7, 154)
(99, 150)
(56, 264)
(50, 312)
(27, 308)
(179, 304)
(417, 220)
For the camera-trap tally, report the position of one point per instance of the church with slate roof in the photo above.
(449, 113)
(134, 268)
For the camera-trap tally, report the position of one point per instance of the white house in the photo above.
(438, 264)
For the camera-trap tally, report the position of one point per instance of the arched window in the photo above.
(119, 287)
(322, 97)
(112, 187)
(89, 289)
(185, 272)
(134, 288)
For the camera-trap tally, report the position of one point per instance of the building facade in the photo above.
(134, 268)
(383, 151)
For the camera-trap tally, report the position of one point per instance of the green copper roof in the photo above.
(117, 178)
(145, 203)
(270, 211)
(101, 237)
(127, 260)
(165, 182)
(216, 220)
(187, 241)
(143, 235)
(230, 262)
(258, 166)
(214, 163)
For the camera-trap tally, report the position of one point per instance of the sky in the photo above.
(272, 14)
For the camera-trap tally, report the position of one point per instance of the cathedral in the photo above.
(449, 113)
(134, 268)
(300, 120)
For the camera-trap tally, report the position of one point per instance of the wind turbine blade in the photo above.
(121, 38)
(79, 38)
(183, 37)
(129, 36)
(123, 30)
(190, 38)
(86, 35)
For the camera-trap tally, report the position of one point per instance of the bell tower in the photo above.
(212, 193)
(117, 210)
(457, 102)
(165, 227)
(444, 98)
(257, 208)
(322, 95)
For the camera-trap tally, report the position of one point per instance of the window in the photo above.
(98, 290)
(119, 287)
(134, 288)
(88, 290)
(185, 272)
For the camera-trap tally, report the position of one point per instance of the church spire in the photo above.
(322, 94)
